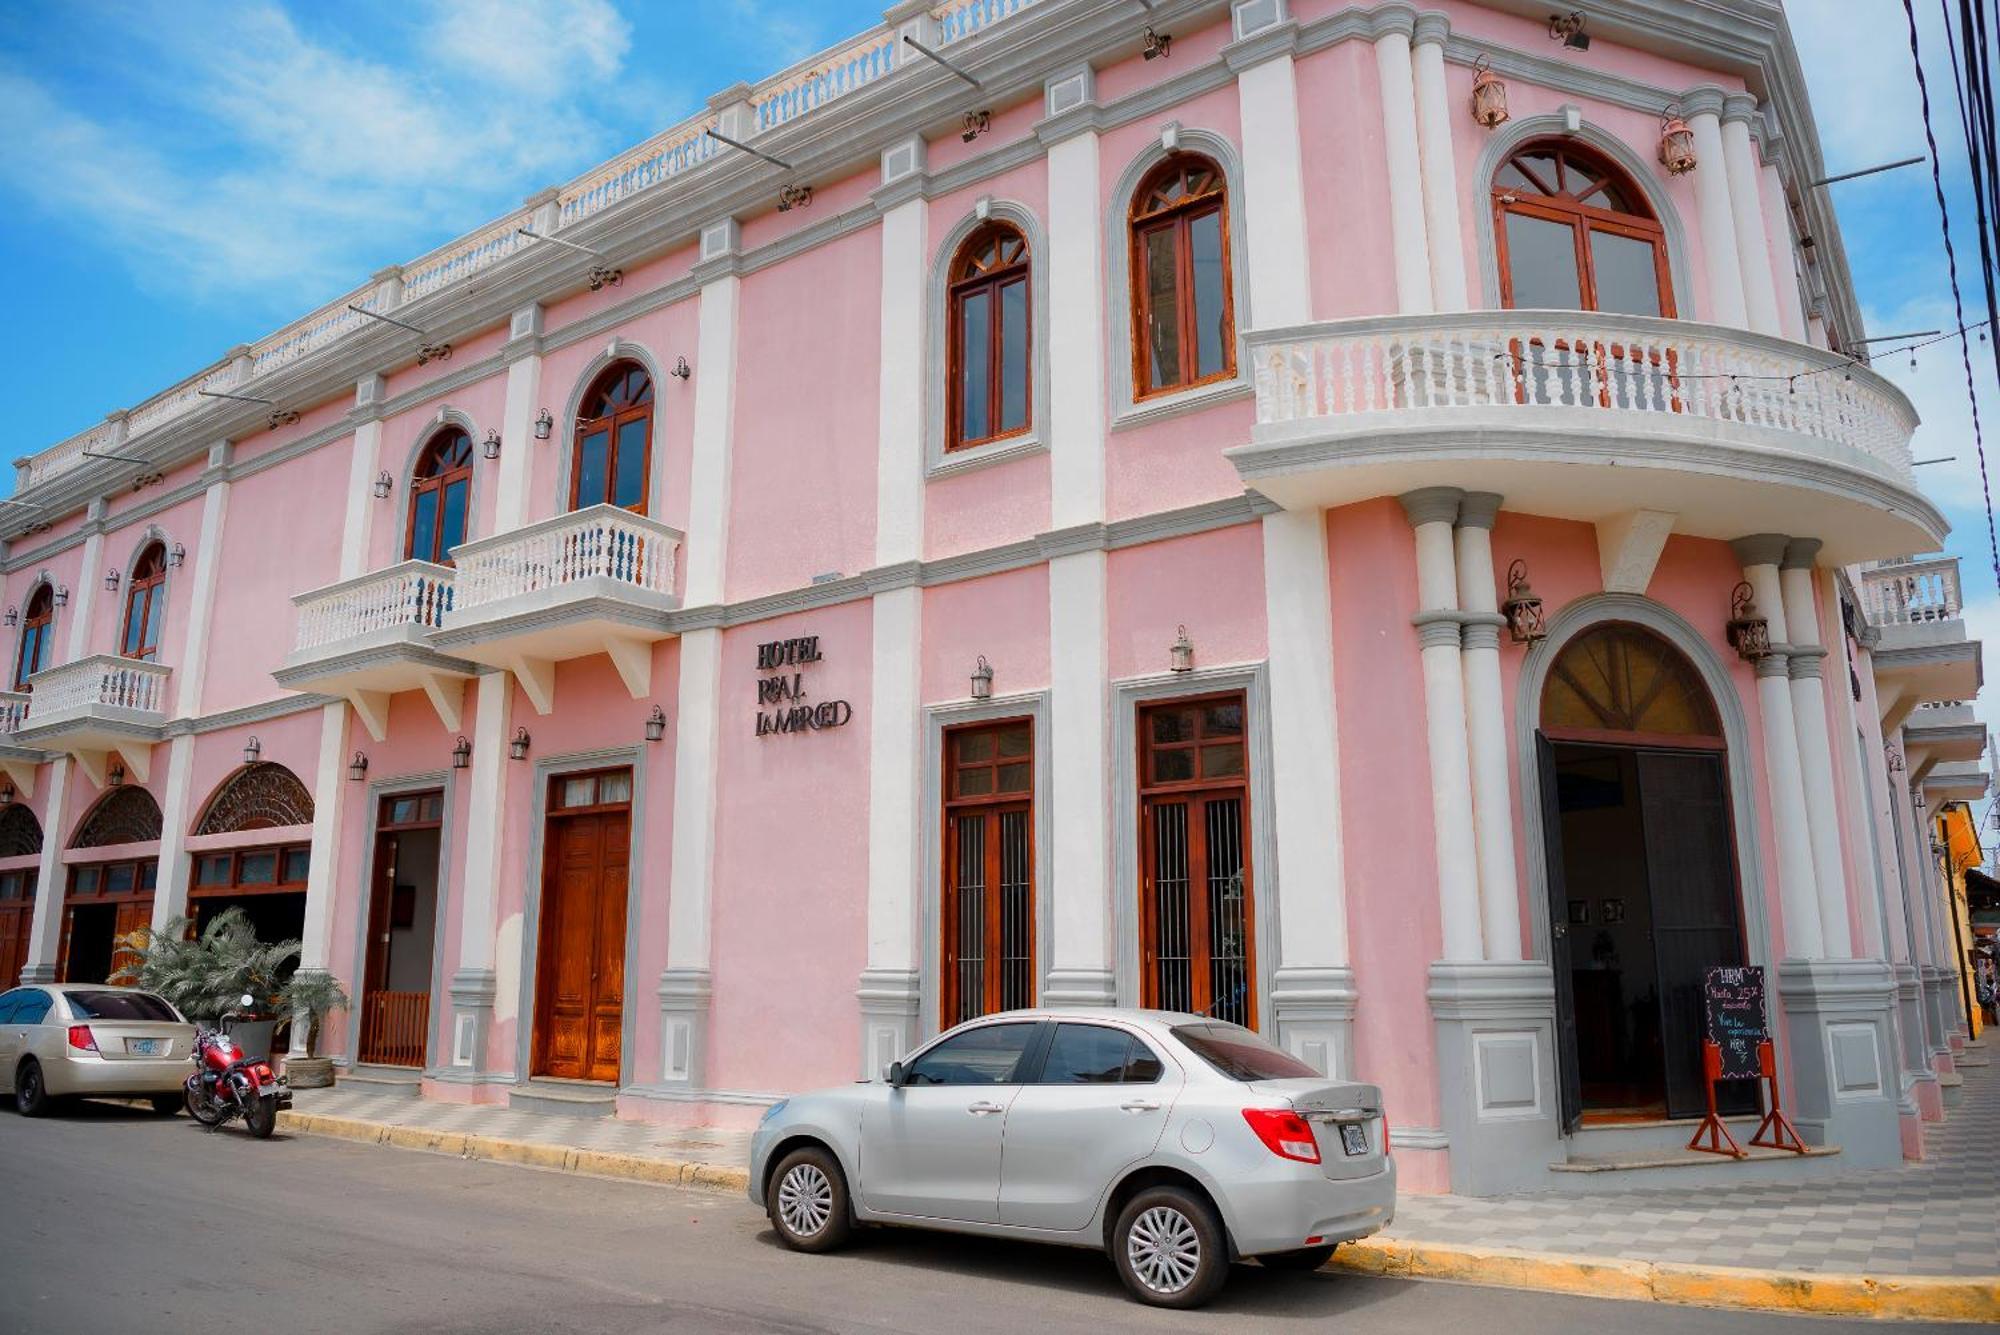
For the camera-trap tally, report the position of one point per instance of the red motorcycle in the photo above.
(226, 1084)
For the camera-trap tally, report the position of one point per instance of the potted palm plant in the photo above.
(207, 975)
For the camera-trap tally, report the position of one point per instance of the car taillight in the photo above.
(1284, 1133)
(1385, 1135)
(82, 1039)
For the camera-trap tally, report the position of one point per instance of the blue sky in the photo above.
(185, 177)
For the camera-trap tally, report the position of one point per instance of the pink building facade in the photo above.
(1215, 523)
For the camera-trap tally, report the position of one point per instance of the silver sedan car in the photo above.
(1174, 1142)
(91, 1040)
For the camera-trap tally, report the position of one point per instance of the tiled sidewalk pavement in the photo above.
(1939, 1217)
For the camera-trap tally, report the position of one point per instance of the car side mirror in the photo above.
(895, 1075)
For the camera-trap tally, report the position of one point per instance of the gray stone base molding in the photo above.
(1314, 1011)
(684, 999)
(472, 993)
(1497, 1073)
(1080, 987)
(891, 1010)
(1911, 1047)
(1838, 1017)
(1937, 1009)
(38, 973)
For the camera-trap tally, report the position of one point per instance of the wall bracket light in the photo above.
(1522, 609)
(982, 679)
(545, 425)
(1180, 654)
(461, 753)
(1749, 634)
(111, 581)
(656, 724)
(177, 556)
(1489, 95)
(253, 750)
(681, 369)
(384, 484)
(61, 596)
(1676, 144)
(357, 768)
(491, 445)
(517, 749)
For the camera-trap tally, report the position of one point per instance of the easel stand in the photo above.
(1775, 1132)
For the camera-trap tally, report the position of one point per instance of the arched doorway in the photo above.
(266, 881)
(109, 898)
(1641, 862)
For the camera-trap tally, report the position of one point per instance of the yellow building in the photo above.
(1959, 833)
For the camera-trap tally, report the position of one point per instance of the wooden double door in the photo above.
(17, 924)
(580, 967)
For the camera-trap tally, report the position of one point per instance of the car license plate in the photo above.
(1354, 1138)
(145, 1047)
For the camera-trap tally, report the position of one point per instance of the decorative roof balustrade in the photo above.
(959, 19)
(824, 78)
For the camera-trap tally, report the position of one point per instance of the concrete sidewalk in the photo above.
(1917, 1242)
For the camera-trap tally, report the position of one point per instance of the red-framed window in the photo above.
(990, 335)
(440, 495)
(614, 440)
(1184, 327)
(987, 954)
(145, 604)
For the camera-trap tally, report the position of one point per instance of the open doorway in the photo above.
(402, 930)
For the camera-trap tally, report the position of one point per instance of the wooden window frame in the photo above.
(1151, 795)
(1179, 217)
(148, 584)
(1582, 219)
(36, 626)
(613, 424)
(234, 887)
(993, 805)
(429, 477)
(964, 287)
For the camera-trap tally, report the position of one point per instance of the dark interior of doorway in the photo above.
(92, 928)
(274, 917)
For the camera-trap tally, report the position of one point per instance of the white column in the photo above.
(1486, 729)
(1746, 203)
(1274, 194)
(323, 873)
(363, 463)
(1432, 512)
(1804, 937)
(899, 466)
(1435, 114)
(1312, 989)
(1809, 715)
(45, 932)
(523, 405)
(1713, 210)
(83, 596)
(472, 985)
(170, 893)
(191, 676)
(1406, 190)
(714, 418)
(1076, 333)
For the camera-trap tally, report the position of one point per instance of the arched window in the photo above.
(1620, 679)
(124, 815)
(440, 490)
(614, 440)
(263, 796)
(1183, 327)
(145, 604)
(988, 355)
(37, 628)
(20, 832)
(1575, 234)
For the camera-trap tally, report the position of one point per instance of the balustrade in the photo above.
(1907, 593)
(102, 681)
(416, 594)
(600, 542)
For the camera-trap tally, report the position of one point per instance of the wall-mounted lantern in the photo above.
(518, 748)
(982, 679)
(357, 768)
(177, 556)
(6, 792)
(253, 750)
(1749, 634)
(384, 484)
(681, 370)
(1676, 144)
(1893, 759)
(491, 445)
(544, 425)
(1569, 30)
(115, 776)
(1522, 609)
(111, 581)
(1180, 654)
(461, 753)
(61, 596)
(656, 724)
(1489, 95)
(13, 617)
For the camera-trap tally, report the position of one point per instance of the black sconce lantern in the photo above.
(115, 775)
(681, 369)
(1157, 44)
(111, 581)
(982, 679)
(13, 617)
(384, 484)
(1180, 654)
(1522, 609)
(544, 425)
(1894, 760)
(177, 556)
(357, 768)
(1749, 634)
(61, 596)
(253, 751)
(656, 724)
(6, 792)
(518, 748)
(461, 753)
(491, 445)
(1568, 29)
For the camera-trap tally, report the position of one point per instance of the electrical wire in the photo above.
(1845, 365)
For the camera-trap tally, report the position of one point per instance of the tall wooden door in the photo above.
(580, 1003)
(17, 921)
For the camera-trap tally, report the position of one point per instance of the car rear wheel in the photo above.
(166, 1105)
(31, 1091)
(1169, 1248)
(808, 1201)
(1305, 1258)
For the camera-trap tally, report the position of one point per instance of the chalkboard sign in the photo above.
(1733, 1016)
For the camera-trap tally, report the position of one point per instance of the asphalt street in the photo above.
(115, 1220)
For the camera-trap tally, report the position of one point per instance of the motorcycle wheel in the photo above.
(262, 1118)
(200, 1108)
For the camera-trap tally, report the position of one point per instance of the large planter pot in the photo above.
(253, 1037)
(309, 1072)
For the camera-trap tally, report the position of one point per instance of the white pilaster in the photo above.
(191, 677)
(1406, 190)
(685, 982)
(45, 931)
(1713, 210)
(362, 467)
(1486, 729)
(1739, 157)
(899, 461)
(714, 423)
(1274, 194)
(1076, 334)
(517, 424)
(170, 892)
(83, 596)
(472, 985)
(1080, 972)
(1432, 511)
(323, 876)
(1440, 163)
(1809, 715)
(1797, 889)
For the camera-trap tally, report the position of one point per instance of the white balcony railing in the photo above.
(415, 594)
(13, 711)
(100, 682)
(960, 19)
(1910, 592)
(1588, 361)
(601, 542)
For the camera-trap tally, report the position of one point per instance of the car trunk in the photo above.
(1330, 1107)
(144, 1040)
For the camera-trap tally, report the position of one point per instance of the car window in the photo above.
(8, 1000)
(1090, 1054)
(983, 1056)
(1240, 1054)
(32, 1008)
(119, 1006)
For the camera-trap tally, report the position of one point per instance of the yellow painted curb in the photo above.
(1889, 1298)
(526, 1153)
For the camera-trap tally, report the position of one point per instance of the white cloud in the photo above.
(1864, 100)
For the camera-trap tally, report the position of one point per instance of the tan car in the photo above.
(90, 1040)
